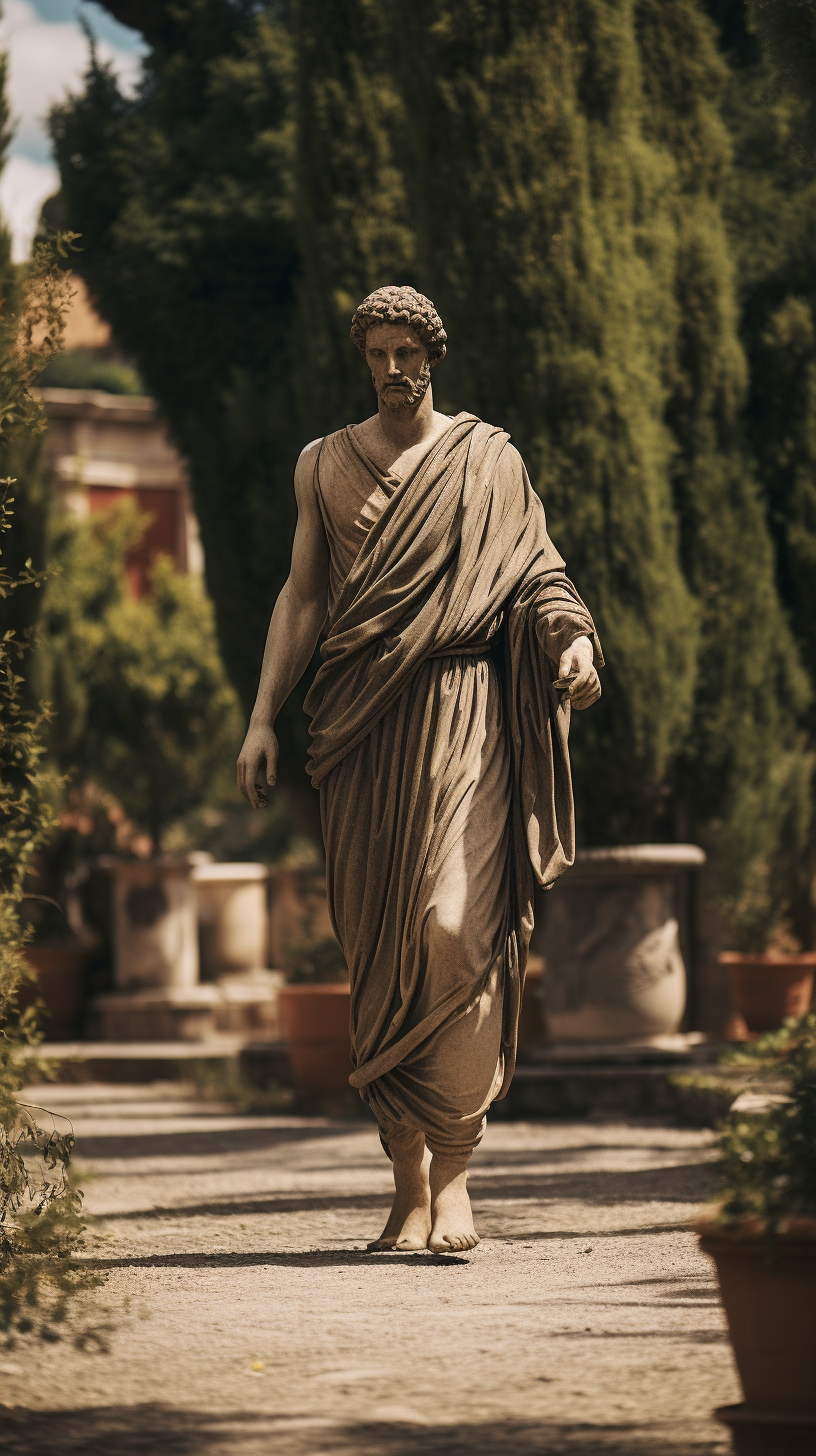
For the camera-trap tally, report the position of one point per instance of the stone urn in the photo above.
(608, 931)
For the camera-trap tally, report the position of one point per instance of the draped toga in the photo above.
(439, 745)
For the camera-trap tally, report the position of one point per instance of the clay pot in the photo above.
(768, 1288)
(315, 1023)
(767, 989)
(609, 934)
(60, 971)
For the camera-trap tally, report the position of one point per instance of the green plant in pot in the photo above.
(762, 1237)
(770, 917)
(314, 1010)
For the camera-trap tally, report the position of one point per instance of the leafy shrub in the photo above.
(143, 708)
(86, 369)
(40, 1207)
(769, 1157)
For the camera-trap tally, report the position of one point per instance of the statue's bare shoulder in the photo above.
(305, 471)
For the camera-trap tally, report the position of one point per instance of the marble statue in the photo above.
(454, 648)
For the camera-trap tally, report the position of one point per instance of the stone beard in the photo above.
(406, 395)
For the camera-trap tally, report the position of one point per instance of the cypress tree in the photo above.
(572, 232)
(545, 238)
(352, 229)
(745, 777)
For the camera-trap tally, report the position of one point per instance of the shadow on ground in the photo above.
(139, 1430)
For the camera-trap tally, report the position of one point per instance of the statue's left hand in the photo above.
(258, 763)
(577, 665)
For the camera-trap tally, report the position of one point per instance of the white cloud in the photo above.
(46, 60)
(24, 186)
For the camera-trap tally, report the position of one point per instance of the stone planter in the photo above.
(768, 1288)
(155, 923)
(609, 936)
(60, 972)
(767, 989)
(315, 1022)
(155, 932)
(233, 918)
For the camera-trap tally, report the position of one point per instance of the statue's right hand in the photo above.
(258, 763)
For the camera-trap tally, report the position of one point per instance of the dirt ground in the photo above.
(248, 1320)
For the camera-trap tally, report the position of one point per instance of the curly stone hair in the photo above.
(397, 306)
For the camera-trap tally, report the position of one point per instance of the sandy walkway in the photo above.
(249, 1319)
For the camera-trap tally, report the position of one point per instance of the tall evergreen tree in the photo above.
(571, 230)
(546, 238)
(352, 226)
(745, 778)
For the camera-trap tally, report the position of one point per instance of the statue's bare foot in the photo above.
(452, 1228)
(409, 1222)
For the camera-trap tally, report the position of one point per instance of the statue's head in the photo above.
(400, 335)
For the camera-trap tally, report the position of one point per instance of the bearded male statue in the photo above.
(455, 648)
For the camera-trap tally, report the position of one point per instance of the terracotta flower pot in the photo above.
(766, 989)
(315, 1023)
(59, 985)
(768, 1288)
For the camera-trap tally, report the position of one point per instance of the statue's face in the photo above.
(399, 365)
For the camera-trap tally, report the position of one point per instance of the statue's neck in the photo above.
(406, 427)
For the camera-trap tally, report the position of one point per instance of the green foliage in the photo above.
(311, 962)
(547, 239)
(787, 29)
(87, 369)
(745, 776)
(770, 212)
(40, 1206)
(142, 705)
(557, 178)
(185, 195)
(768, 1159)
(349, 123)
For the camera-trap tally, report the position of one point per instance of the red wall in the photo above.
(164, 534)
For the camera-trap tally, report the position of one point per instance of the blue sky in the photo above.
(48, 52)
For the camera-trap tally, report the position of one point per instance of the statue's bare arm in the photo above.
(299, 614)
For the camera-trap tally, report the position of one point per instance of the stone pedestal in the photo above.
(155, 930)
(608, 931)
(155, 923)
(233, 918)
(233, 927)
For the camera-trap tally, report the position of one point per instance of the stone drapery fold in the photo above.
(457, 566)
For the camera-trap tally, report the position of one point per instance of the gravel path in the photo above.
(249, 1321)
